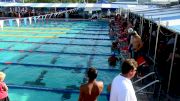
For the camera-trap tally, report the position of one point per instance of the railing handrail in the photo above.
(151, 83)
(151, 73)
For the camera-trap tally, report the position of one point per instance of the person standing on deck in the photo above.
(3, 88)
(135, 45)
(121, 87)
(92, 89)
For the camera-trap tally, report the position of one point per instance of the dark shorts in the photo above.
(5, 99)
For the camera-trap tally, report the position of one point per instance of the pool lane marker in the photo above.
(8, 63)
(25, 36)
(54, 66)
(33, 32)
(21, 58)
(47, 28)
(56, 43)
(51, 52)
(84, 38)
(56, 90)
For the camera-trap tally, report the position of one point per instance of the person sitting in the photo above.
(91, 90)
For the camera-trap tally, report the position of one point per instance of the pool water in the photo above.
(47, 61)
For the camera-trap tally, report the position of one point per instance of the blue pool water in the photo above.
(47, 61)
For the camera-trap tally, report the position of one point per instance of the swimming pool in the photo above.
(47, 61)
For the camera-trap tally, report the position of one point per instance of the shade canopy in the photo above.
(169, 17)
(72, 5)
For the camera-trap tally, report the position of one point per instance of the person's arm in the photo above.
(81, 94)
(5, 88)
(101, 86)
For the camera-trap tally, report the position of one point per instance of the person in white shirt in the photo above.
(122, 88)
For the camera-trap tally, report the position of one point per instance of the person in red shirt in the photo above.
(3, 88)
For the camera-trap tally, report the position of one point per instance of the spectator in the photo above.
(91, 90)
(122, 88)
(3, 88)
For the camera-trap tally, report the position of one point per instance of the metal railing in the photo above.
(142, 89)
(144, 77)
(148, 85)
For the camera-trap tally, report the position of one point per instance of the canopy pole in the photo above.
(128, 14)
(172, 61)
(142, 24)
(55, 9)
(155, 50)
(150, 32)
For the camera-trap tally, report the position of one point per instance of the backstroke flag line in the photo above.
(10, 22)
(18, 22)
(34, 19)
(1, 24)
(30, 20)
(25, 21)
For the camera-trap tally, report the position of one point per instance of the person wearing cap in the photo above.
(130, 31)
(121, 87)
(3, 88)
(92, 89)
